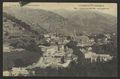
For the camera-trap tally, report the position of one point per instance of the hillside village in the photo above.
(54, 50)
(56, 53)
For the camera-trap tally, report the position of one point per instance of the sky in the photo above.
(108, 8)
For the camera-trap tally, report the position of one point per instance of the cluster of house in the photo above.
(85, 43)
(18, 71)
(58, 55)
(94, 57)
(7, 48)
(55, 56)
(57, 51)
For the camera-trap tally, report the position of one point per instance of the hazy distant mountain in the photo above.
(65, 21)
(91, 21)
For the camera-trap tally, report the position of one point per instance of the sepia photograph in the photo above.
(60, 39)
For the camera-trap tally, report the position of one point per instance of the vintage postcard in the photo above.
(60, 39)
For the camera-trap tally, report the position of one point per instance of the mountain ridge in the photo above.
(78, 21)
